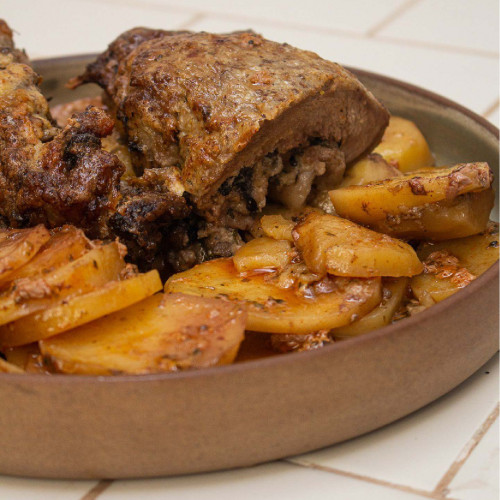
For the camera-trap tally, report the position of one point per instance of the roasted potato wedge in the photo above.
(19, 246)
(390, 198)
(64, 246)
(403, 146)
(263, 253)
(80, 309)
(165, 332)
(462, 216)
(330, 303)
(86, 273)
(340, 247)
(451, 265)
(372, 168)
(394, 291)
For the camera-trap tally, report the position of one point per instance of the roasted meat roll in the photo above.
(243, 119)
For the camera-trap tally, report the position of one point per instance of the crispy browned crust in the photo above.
(212, 104)
(49, 175)
(55, 176)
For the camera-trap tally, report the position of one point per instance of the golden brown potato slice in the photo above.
(6, 367)
(403, 146)
(370, 169)
(394, 291)
(165, 332)
(91, 270)
(329, 303)
(263, 253)
(451, 265)
(18, 246)
(80, 309)
(65, 245)
(278, 220)
(462, 216)
(392, 197)
(337, 246)
(277, 227)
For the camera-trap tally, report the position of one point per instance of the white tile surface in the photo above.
(418, 450)
(15, 488)
(54, 27)
(354, 16)
(272, 481)
(450, 23)
(471, 80)
(476, 478)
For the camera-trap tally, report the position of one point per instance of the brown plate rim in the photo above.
(440, 308)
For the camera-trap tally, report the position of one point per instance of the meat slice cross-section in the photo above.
(242, 118)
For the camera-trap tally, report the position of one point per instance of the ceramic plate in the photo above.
(254, 411)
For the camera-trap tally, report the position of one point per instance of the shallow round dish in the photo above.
(141, 426)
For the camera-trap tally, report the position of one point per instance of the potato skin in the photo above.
(375, 201)
(465, 215)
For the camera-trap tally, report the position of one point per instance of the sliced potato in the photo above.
(80, 309)
(403, 146)
(451, 265)
(64, 246)
(91, 270)
(330, 303)
(393, 294)
(337, 246)
(465, 215)
(376, 201)
(6, 367)
(18, 246)
(277, 227)
(263, 253)
(477, 253)
(282, 217)
(370, 169)
(165, 332)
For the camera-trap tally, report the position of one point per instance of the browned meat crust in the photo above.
(143, 217)
(46, 174)
(213, 105)
(56, 176)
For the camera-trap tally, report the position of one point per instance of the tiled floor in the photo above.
(446, 450)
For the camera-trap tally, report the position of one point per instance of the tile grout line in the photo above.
(367, 479)
(491, 109)
(235, 17)
(192, 20)
(437, 46)
(399, 11)
(149, 5)
(304, 27)
(96, 490)
(442, 487)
